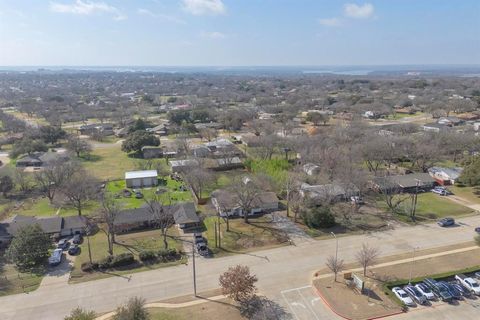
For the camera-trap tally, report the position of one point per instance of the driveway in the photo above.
(277, 269)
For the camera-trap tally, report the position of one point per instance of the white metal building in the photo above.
(141, 179)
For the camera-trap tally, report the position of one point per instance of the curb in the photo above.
(344, 317)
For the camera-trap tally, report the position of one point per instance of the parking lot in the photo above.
(304, 304)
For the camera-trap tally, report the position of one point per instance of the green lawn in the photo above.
(471, 194)
(174, 194)
(258, 234)
(131, 242)
(42, 207)
(430, 203)
(109, 163)
(13, 282)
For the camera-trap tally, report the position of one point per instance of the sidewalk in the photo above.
(170, 305)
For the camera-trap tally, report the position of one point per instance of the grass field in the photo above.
(130, 242)
(42, 207)
(471, 194)
(174, 193)
(430, 203)
(242, 237)
(13, 282)
(212, 310)
(109, 163)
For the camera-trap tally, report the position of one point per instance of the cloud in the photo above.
(213, 35)
(160, 16)
(203, 7)
(330, 22)
(87, 8)
(353, 10)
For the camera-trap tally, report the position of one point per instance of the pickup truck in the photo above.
(469, 283)
(440, 291)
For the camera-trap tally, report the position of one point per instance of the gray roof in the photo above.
(328, 191)
(228, 200)
(48, 224)
(182, 213)
(452, 173)
(405, 181)
(141, 174)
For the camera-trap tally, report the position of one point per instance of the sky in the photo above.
(238, 32)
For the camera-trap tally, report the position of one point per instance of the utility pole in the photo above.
(216, 239)
(336, 246)
(411, 266)
(219, 236)
(89, 249)
(194, 271)
(414, 200)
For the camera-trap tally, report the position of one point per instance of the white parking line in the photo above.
(299, 304)
(295, 289)
(308, 304)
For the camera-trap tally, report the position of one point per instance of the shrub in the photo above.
(89, 267)
(319, 217)
(123, 259)
(148, 255)
(105, 262)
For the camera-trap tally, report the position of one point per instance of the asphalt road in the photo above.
(277, 269)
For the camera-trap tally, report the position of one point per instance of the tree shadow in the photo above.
(261, 308)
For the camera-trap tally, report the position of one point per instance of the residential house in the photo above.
(182, 165)
(41, 159)
(450, 121)
(435, 127)
(184, 214)
(227, 203)
(445, 176)
(141, 179)
(151, 152)
(229, 163)
(122, 132)
(104, 129)
(328, 193)
(311, 169)
(54, 226)
(406, 183)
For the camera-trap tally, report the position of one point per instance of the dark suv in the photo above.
(446, 222)
(440, 291)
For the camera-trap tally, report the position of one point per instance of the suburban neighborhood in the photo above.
(220, 159)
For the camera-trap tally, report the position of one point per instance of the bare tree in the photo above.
(23, 180)
(335, 265)
(79, 189)
(198, 178)
(208, 134)
(108, 215)
(162, 215)
(245, 190)
(367, 256)
(78, 146)
(238, 284)
(52, 177)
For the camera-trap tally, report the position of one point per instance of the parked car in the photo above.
(440, 291)
(202, 249)
(56, 258)
(77, 239)
(426, 291)
(403, 296)
(74, 250)
(357, 200)
(469, 283)
(463, 291)
(453, 291)
(63, 244)
(477, 229)
(126, 193)
(441, 191)
(138, 195)
(198, 237)
(415, 294)
(446, 222)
